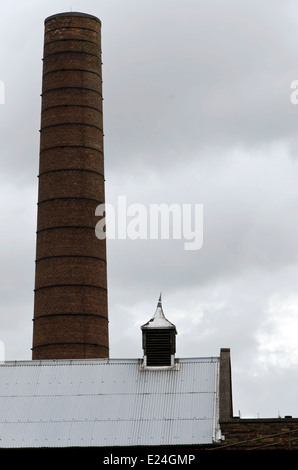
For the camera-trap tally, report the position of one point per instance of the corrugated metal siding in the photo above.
(107, 403)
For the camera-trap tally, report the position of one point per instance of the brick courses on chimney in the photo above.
(70, 303)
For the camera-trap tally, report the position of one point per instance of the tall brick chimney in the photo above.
(70, 303)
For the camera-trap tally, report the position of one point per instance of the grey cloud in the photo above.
(223, 82)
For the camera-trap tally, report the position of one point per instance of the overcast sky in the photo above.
(197, 110)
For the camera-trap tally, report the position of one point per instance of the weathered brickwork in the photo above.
(247, 434)
(83, 300)
(84, 333)
(70, 307)
(71, 183)
(79, 158)
(67, 212)
(270, 434)
(69, 241)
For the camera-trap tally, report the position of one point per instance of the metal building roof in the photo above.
(107, 402)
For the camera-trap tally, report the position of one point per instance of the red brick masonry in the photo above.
(70, 307)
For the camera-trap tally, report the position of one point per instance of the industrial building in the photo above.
(72, 394)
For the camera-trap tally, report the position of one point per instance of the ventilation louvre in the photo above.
(159, 347)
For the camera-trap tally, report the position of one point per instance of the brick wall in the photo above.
(70, 305)
(270, 434)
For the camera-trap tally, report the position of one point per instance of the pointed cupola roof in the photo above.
(159, 320)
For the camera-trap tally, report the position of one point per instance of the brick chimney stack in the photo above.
(70, 304)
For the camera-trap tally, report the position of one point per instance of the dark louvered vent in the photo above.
(159, 342)
(159, 347)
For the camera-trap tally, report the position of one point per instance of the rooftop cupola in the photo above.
(159, 340)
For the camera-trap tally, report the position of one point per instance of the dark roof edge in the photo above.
(104, 361)
(72, 13)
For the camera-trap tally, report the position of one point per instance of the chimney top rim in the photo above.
(72, 13)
